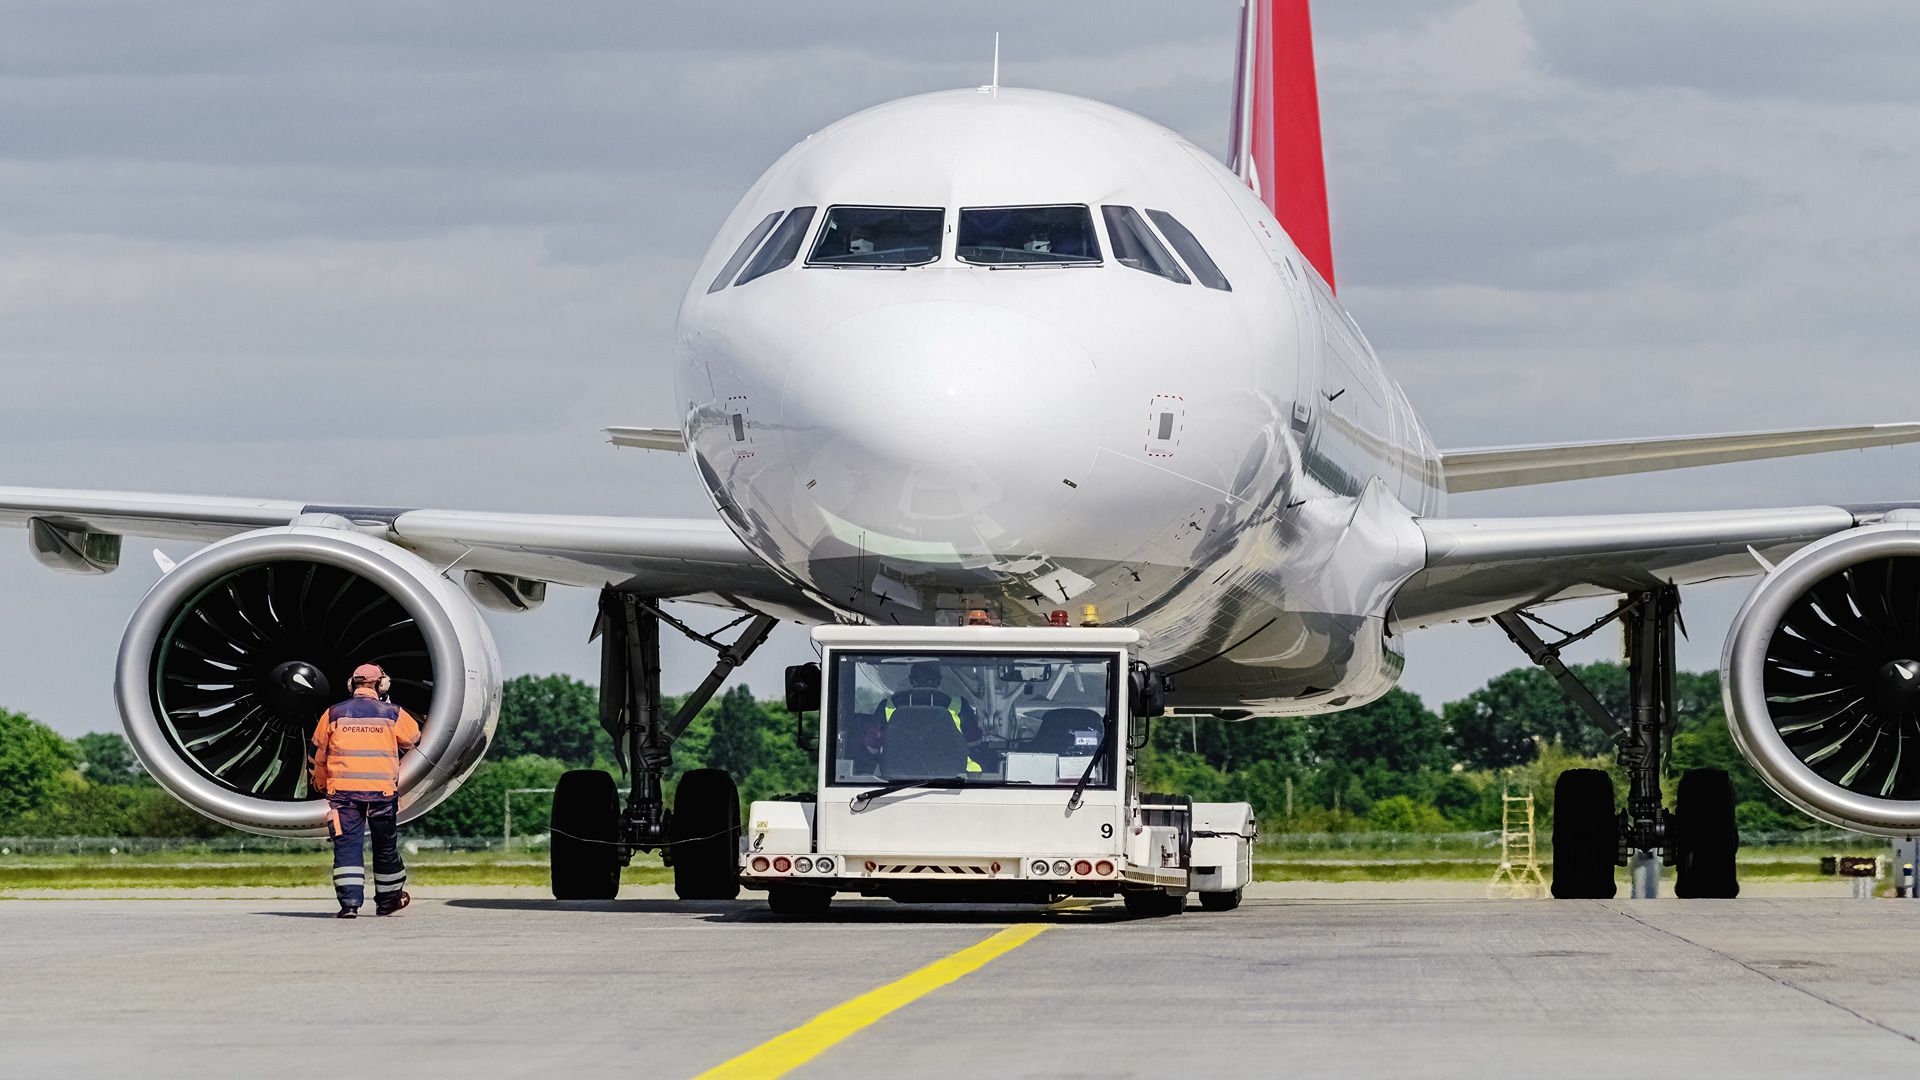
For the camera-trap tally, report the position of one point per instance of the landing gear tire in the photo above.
(1705, 837)
(1586, 836)
(584, 853)
(1155, 903)
(798, 899)
(1220, 901)
(705, 832)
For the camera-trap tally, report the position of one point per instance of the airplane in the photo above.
(1006, 355)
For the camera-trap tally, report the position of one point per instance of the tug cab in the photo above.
(987, 764)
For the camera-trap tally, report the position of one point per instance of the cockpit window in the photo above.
(1135, 245)
(1190, 250)
(781, 247)
(878, 236)
(752, 241)
(1027, 236)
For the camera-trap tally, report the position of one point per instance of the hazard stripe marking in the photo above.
(784, 1053)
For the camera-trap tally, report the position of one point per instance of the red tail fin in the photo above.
(1276, 124)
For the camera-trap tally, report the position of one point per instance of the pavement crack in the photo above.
(1771, 977)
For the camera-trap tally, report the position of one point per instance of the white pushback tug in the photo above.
(987, 764)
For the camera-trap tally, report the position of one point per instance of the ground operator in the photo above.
(356, 763)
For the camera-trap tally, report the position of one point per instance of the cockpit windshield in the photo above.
(1027, 236)
(981, 719)
(1135, 245)
(878, 236)
(740, 254)
(781, 247)
(1188, 245)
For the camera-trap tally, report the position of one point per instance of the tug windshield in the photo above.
(982, 719)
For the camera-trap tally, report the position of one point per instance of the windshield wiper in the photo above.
(865, 798)
(1099, 752)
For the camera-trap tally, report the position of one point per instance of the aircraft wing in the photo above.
(1517, 466)
(674, 558)
(1476, 568)
(648, 438)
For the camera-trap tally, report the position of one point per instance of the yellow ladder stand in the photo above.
(1518, 875)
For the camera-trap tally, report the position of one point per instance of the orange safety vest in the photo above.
(357, 747)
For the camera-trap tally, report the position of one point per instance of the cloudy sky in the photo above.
(220, 223)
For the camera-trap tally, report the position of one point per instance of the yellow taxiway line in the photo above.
(784, 1053)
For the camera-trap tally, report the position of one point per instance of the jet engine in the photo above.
(230, 659)
(1822, 678)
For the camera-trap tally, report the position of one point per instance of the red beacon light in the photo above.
(1057, 618)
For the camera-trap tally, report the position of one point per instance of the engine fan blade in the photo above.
(262, 646)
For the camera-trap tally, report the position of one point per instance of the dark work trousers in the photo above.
(381, 816)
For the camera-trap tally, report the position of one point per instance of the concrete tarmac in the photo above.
(484, 986)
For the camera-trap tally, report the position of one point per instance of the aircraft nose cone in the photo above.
(948, 427)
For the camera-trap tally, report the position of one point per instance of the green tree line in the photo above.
(1398, 766)
(1395, 765)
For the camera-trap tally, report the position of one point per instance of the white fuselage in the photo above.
(1228, 470)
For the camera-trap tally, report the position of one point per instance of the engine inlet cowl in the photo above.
(1821, 676)
(229, 661)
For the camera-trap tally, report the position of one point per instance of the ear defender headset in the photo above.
(362, 677)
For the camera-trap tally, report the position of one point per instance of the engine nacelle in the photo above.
(230, 659)
(1822, 679)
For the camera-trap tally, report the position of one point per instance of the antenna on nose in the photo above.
(994, 86)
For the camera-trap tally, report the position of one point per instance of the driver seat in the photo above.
(1060, 731)
(923, 744)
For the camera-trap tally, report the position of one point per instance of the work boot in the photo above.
(348, 913)
(383, 908)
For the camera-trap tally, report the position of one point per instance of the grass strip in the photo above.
(1448, 870)
(304, 874)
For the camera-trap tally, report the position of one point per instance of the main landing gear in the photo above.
(593, 837)
(1698, 837)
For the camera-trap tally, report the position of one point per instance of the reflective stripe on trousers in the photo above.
(380, 816)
